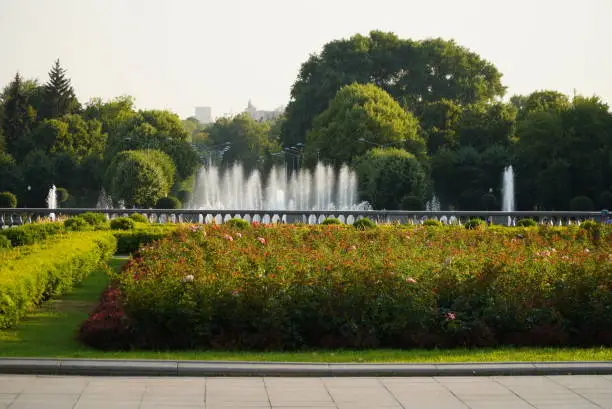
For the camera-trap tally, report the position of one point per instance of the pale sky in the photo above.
(178, 54)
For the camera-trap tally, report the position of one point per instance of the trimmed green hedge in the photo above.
(33, 274)
(129, 241)
(31, 233)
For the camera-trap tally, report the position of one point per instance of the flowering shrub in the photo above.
(288, 287)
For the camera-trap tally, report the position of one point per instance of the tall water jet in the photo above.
(508, 192)
(233, 189)
(52, 201)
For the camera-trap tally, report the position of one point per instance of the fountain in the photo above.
(508, 192)
(322, 189)
(52, 201)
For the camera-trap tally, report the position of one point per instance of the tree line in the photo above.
(48, 137)
(414, 118)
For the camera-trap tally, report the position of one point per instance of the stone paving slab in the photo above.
(154, 392)
(91, 367)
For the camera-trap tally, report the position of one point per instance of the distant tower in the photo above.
(203, 114)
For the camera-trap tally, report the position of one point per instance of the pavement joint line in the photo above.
(176, 368)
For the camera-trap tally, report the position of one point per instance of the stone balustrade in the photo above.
(19, 216)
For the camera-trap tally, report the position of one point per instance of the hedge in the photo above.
(129, 241)
(32, 274)
(32, 233)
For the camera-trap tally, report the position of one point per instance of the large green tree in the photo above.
(72, 135)
(18, 114)
(564, 153)
(358, 118)
(155, 129)
(412, 72)
(243, 139)
(59, 96)
(388, 176)
(140, 178)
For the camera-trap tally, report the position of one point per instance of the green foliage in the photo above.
(10, 174)
(240, 138)
(77, 223)
(129, 241)
(359, 117)
(94, 219)
(59, 97)
(62, 195)
(287, 287)
(18, 115)
(413, 72)
(72, 135)
(483, 125)
(5, 243)
(581, 203)
(169, 202)
(139, 218)
(489, 202)
(474, 224)
(386, 176)
(331, 220)
(237, 223)
(8, 200)
(541, 101)
(410, 202)
(432, 223)
(46, 271)
(526, 223)
(364, 224)
(122, 223)
(139, 179)
(605, 200)
(32, 233)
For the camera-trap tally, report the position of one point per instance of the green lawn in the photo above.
(50, 332)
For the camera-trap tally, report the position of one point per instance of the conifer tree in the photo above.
(59, 97)
(18, 115)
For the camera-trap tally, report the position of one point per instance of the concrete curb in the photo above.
(107, 367)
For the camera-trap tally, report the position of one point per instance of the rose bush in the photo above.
(289, 287)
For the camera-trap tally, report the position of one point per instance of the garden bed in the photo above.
(294, 287)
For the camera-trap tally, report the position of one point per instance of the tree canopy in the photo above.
(358, 118)
(412, 72)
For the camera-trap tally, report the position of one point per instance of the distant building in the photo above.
(262, 116)
(203, 114)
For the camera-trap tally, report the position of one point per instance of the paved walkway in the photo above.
(64, 392)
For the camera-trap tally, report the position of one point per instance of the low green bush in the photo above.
(331, 220)
(94, 219)
(237, 223)
(474, 224)
(432, 223)
(129, 241)
(34, 274)
(364, 224)
(4, 242)
(169, 202)
(77, 223)
(8, 200)
(139, 218)
(526, 223)
(32, 233)
(122, 223)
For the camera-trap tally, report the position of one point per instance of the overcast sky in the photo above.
(177, 54)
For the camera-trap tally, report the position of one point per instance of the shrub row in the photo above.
(129, 241)
(288, 287)
(31, 233)
(32, 274)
